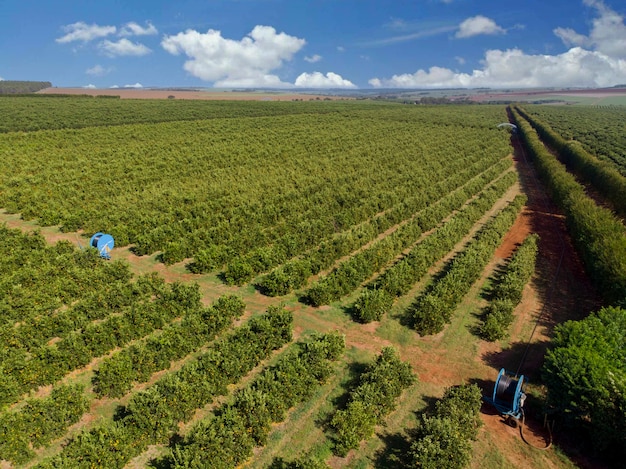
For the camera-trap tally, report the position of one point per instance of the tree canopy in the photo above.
(585, 372)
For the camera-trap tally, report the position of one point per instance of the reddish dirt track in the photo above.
(560, 291)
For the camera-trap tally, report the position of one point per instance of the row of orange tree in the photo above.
(49, 363)
(506, 294)
(243, 267)
(294, 273)
(371, 400)
(39, 421)
(434, 307)
(361, 266)
(599, 236)
(228, 438)
(117, 373)
(224, 186)
(397, 280)
(152, 416)
(37, 279)
(600, 130)
(48, 112)
(604, 176)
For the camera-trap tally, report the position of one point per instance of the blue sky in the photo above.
(314, 44)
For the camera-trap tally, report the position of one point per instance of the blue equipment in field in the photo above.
(508, 396)
(103, 243)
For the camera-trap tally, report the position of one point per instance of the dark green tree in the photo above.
(585, 372)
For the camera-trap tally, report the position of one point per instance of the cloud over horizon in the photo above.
(85, 33)
(231, 63)
(319, 80)
(602, 64)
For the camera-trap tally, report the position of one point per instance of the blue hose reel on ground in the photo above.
(508, 396)
(104, 243)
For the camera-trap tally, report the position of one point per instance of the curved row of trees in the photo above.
(597, 234)
(507, 292)
(152, 416)
(229, 437)
(604, 177)
(433, 308)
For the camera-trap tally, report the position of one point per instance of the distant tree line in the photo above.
(21, 87)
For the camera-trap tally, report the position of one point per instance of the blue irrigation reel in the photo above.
(508, 395)
(104, 243)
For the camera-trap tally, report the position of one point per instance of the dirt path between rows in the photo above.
(559, 291)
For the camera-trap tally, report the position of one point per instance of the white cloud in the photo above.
(98, 71)
(313, 59)
(319, 80)
(422, 33)
(460, 60)
(608, 33)
(1, 79)
(136, 85)
(229, 62)
(81, 31)
(515, 69)
(123, 47)
(571, 37)
(133, 29)
(341, 49)
(115, 87)
(90, 87)
(596, 60)
(478, 25)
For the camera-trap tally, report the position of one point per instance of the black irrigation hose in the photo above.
(546, 425)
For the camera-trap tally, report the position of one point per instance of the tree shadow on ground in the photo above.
(520, 358)
(354, 372)
(396, 446)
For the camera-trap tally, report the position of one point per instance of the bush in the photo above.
(372, 305)
(585, 372)
(443, 439)
(238, 272)
(374, 397)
